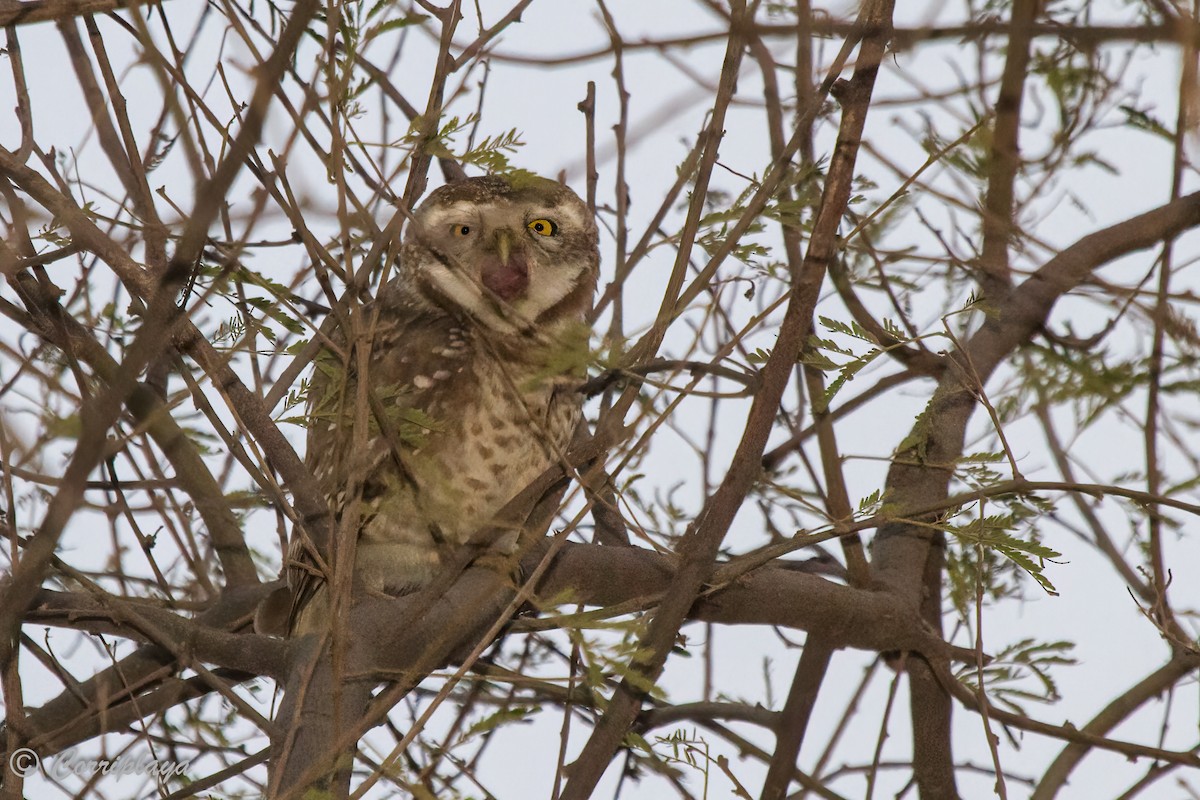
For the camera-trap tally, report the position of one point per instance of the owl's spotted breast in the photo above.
(470, 430)
(494, 426)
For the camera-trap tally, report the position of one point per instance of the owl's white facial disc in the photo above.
(450, 274)
(506, 259)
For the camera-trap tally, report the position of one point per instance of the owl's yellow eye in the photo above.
(543, 227)
(460, 230)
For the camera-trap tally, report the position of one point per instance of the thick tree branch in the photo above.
(793, 720)
(247, 652)
(27, 12)
(1112, 715)
(999, 226)
(87, 710)
(1090, 736)
(920, 476)
(592, 575)
(1084, 36)
(930, 707)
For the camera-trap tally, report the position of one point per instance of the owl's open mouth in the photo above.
(508, 280)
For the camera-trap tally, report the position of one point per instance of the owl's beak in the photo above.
(504, 244)
(507, 273)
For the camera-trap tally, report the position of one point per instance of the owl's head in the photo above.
(511, 252)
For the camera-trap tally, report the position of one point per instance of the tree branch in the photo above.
(921, 474)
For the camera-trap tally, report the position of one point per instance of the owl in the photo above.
(472, 359)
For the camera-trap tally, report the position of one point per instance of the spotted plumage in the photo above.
(472, 363)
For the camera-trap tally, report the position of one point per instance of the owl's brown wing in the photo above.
(410, 355)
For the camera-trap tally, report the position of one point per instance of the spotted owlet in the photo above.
(471, 382)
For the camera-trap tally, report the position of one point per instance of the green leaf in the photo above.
(870, 501)
(758, 356)
(393, 25)
(1143, 120)
(849, 329)
(501, 717)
